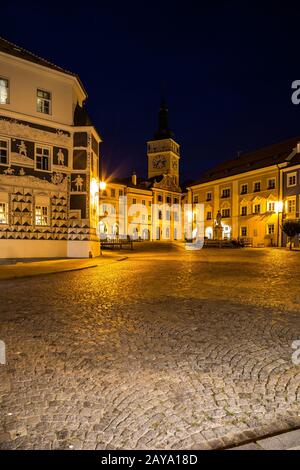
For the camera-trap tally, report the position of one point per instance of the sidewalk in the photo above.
(25, 268)
(285, 441)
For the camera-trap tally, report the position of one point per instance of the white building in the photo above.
(49, 160)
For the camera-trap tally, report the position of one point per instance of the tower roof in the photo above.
(163, 131)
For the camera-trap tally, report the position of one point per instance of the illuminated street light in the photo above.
(102, 185)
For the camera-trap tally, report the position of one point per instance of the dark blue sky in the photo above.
(225, 69)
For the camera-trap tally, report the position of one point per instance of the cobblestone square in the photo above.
(163, 349)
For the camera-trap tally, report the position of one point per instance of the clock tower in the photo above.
(163, 152)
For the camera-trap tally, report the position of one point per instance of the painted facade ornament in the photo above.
(57, 178)
(9, 179)
(60, 157)
(9, 171)
(78, 183)
(24, 131)
(22, 172)
(22, 148)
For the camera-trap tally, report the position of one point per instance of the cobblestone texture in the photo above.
(166, 350)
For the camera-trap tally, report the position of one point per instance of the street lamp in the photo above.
(102, 185)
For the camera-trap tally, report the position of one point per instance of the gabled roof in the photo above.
(12, 49)
(264, 157)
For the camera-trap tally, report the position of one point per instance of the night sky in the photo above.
(225, 70)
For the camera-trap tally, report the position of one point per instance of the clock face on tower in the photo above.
(159, 162)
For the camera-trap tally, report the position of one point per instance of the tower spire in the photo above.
(163, 123)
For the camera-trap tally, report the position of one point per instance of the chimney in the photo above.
(133, 178)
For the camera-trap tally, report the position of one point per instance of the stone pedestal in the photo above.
(218, 232)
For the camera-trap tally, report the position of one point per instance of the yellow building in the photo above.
(151, 209)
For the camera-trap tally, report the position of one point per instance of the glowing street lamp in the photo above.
(102, 185)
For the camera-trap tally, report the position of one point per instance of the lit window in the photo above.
(4, 91)
(3, 213)
(225, 193)
(42, 158)
(244, 189)
(291, 206)
(271, 183)
(291, 179)
(271, 206)
(271, 229)
(3, 152)
(244, 231)
(256, 186)
(244, 210)
(43, 101)
(41, 215)
(256, 209)
(225, 213)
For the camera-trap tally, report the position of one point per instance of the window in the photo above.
(271, 206)
(121, 193)
(168, 199)
(271, 183)
(150, 203)
(225, 213)
(41, 215)
(143, 202)
(208, 215)
(270, 229)
(133, 201)
(256, 187)
(208, 196)
(291, 179)
(244, 210)
(291, 206)
(113, 193)
(4, 91)
(43, 101)
(244, 231)
(244, 189)
(42, 158)
(256, 209)
(3, 152)
(196, 199)
(159, 198)
(160, 215)
(3, 213)
(167, 232)
(176, 218)
(175, 200)
(225, 193)
(168, 215)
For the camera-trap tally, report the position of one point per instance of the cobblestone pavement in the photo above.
(166, 349)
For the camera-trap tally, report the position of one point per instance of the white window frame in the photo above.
(272, 232)
(271, 179)
(4, 216)
(241, 190)
(291, 200)
(257, 182)
(246, 234)
(226, 209)
(272, 203)
(222, 193)
(255, 205)
(42, 216)
(35, 157)
(8, 151)
(8, 91)
(291, 175)
(244, 207)
(206, 196)
(44, 99)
